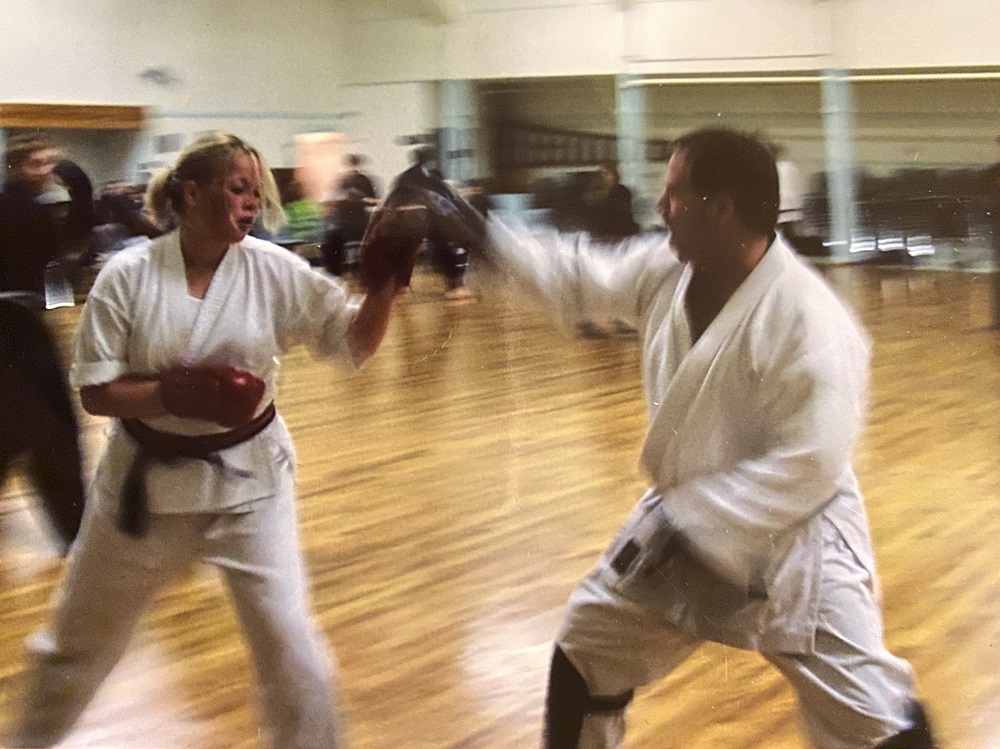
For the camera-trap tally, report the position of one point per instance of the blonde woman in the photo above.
(179, 343)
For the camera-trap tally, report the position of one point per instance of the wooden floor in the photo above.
(454, 491)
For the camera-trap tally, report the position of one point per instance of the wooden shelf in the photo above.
(72, 116)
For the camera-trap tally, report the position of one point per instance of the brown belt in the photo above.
(154, 445)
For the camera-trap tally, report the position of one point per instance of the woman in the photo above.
(178, 343)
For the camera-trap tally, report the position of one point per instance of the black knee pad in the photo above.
(567, 702)
(919, 736)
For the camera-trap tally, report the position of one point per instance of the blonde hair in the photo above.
(209, 158)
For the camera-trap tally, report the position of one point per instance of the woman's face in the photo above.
(227, 207)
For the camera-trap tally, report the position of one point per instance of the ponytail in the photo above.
(162, 199)
(209, 158)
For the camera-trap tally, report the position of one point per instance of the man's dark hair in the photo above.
(424, 155)
(724, 161)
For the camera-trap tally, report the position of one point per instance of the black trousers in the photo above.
(349, 226)
(40, 422)
(449, 259)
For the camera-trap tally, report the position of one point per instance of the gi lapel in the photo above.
(682, 394)
(212, 305)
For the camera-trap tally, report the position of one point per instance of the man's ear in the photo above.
(721, 206)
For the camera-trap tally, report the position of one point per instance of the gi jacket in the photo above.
(139, 319)
(751, 432)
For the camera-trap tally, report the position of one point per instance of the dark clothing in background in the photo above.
(611, 217)
(358, 183)
(125, 209)
(992, 179)
(39, 420)
(350, 219)
(80, 221)
(29, 240)
(419, 178)
(449, 257)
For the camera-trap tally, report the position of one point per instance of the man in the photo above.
(753, 532)
(357, 185)
(30, 232)
(40, 421)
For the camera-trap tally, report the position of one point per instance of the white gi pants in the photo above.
(852, 693)
(112, 578)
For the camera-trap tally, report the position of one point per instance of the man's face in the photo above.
(686, 213)
(37, 168)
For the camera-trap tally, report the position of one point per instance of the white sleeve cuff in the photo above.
(82, 374)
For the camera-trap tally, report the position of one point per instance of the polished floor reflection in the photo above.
(453, 492)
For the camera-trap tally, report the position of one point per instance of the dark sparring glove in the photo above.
(453, 219)
(224, 395)
(391, 242)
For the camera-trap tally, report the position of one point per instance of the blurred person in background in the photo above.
(79, 225)
(178, 344)
(354, 196)
(121, 204)
(33, 210)
(40, 422)
(449, 257)
(792, 191)
(992, 180)
(753, 532)
(609, 206)
(608, 218)
(305, 224)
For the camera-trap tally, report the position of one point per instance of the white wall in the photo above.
(684, 36)
(390, 41)
(262, 69)
(551, 39)
(379, 116)
(916, 33)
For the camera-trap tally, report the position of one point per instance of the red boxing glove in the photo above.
(225, 395)
(390, 245)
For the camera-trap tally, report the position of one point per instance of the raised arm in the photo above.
(371, 322)
(577, 278)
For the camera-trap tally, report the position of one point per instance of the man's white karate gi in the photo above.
(753, 532)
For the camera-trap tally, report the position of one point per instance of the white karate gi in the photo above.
(239, 516)
(751, 433)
